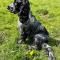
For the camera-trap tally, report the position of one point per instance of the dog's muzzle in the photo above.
(11, 8)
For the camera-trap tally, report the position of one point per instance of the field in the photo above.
(47, 12)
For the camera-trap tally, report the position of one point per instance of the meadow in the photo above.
(47, 12)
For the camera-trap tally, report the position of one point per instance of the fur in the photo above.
(30, 27)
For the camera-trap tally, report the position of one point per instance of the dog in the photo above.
(29, 26)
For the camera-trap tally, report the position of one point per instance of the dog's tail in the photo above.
(49, 51)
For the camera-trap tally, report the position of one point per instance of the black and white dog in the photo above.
(29, 27)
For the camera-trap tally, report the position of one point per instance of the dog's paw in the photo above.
(20, 42)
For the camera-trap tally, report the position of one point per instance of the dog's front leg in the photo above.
(23, 34)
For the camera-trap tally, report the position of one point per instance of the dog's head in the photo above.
(17, 6)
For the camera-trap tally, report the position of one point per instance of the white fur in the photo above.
(19, 26)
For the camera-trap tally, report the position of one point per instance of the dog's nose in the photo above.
(10, 8)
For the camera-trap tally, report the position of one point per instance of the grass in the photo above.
(9, 49)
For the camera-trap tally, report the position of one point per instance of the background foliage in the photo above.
(47, 12)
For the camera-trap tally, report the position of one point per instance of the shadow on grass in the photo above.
(53, 42)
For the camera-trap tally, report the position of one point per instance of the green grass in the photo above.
(9, 49)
